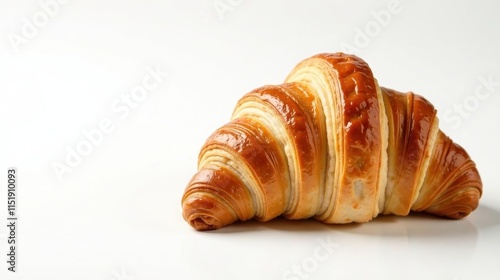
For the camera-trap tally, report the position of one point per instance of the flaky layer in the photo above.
(350, 99)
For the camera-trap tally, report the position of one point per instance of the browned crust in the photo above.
(452, 187)
(412, 117)
(358, 136)
(215, 197)
(300, 111)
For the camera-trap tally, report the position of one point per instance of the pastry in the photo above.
(329, 144)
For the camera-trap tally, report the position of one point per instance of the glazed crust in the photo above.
(331, 144)
(357, 133)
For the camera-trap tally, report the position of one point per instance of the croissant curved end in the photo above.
(205, 213)
(459, 208)
(454, 192)
(331, 144)
(204, 222)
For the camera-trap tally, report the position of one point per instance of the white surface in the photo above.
(117, 214)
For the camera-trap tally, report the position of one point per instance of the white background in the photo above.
(115, 214)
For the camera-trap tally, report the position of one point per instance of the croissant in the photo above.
(329, 144)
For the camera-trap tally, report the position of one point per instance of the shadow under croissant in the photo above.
(484, 217)
(416, 225)
(418, 238)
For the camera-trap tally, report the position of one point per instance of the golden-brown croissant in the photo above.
(331, 144)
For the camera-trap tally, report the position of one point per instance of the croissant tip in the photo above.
(458, 215)
(204, 223)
